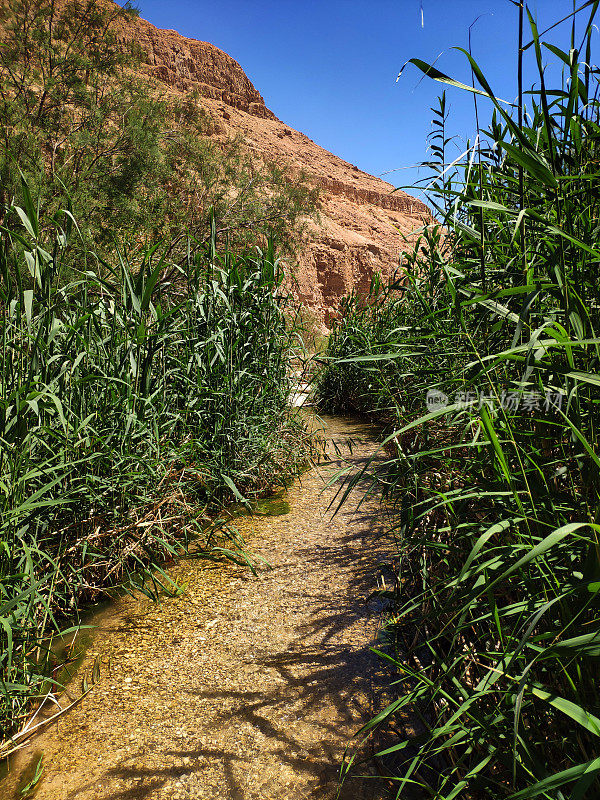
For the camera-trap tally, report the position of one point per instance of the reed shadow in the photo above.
(318, 665)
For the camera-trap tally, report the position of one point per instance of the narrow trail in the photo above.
(245, 688)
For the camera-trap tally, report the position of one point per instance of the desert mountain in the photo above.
(361, 219)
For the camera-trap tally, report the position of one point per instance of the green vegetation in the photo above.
(128, 407)
(495, 632)
(145, 344)
(134, 162)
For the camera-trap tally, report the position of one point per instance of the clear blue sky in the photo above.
(329, 68)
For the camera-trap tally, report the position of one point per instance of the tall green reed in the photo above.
(131, 405)
(495, 633)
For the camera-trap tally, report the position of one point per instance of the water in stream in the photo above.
(245, 687)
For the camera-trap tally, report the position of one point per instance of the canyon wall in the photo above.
(362, 223)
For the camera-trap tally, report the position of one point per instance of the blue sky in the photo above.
(329, 68)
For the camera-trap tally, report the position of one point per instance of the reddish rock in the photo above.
(363, 220)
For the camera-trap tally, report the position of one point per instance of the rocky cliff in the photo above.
(362, 222)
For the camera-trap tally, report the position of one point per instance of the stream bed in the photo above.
(246, 687)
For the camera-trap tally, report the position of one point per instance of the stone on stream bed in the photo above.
(245, 687)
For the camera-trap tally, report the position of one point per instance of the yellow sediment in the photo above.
(245, 687)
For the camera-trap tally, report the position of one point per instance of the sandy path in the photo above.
(246, 688)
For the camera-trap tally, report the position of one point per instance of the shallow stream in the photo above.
(244, 687)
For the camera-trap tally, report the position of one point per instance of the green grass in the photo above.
(132, 406)
(495, 633)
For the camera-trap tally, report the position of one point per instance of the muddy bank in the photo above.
(246, 687)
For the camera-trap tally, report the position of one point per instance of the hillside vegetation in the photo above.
(144, 334)
(132, 161)
(482, 358)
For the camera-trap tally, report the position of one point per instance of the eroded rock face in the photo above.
(188, 64)
(362, 219)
